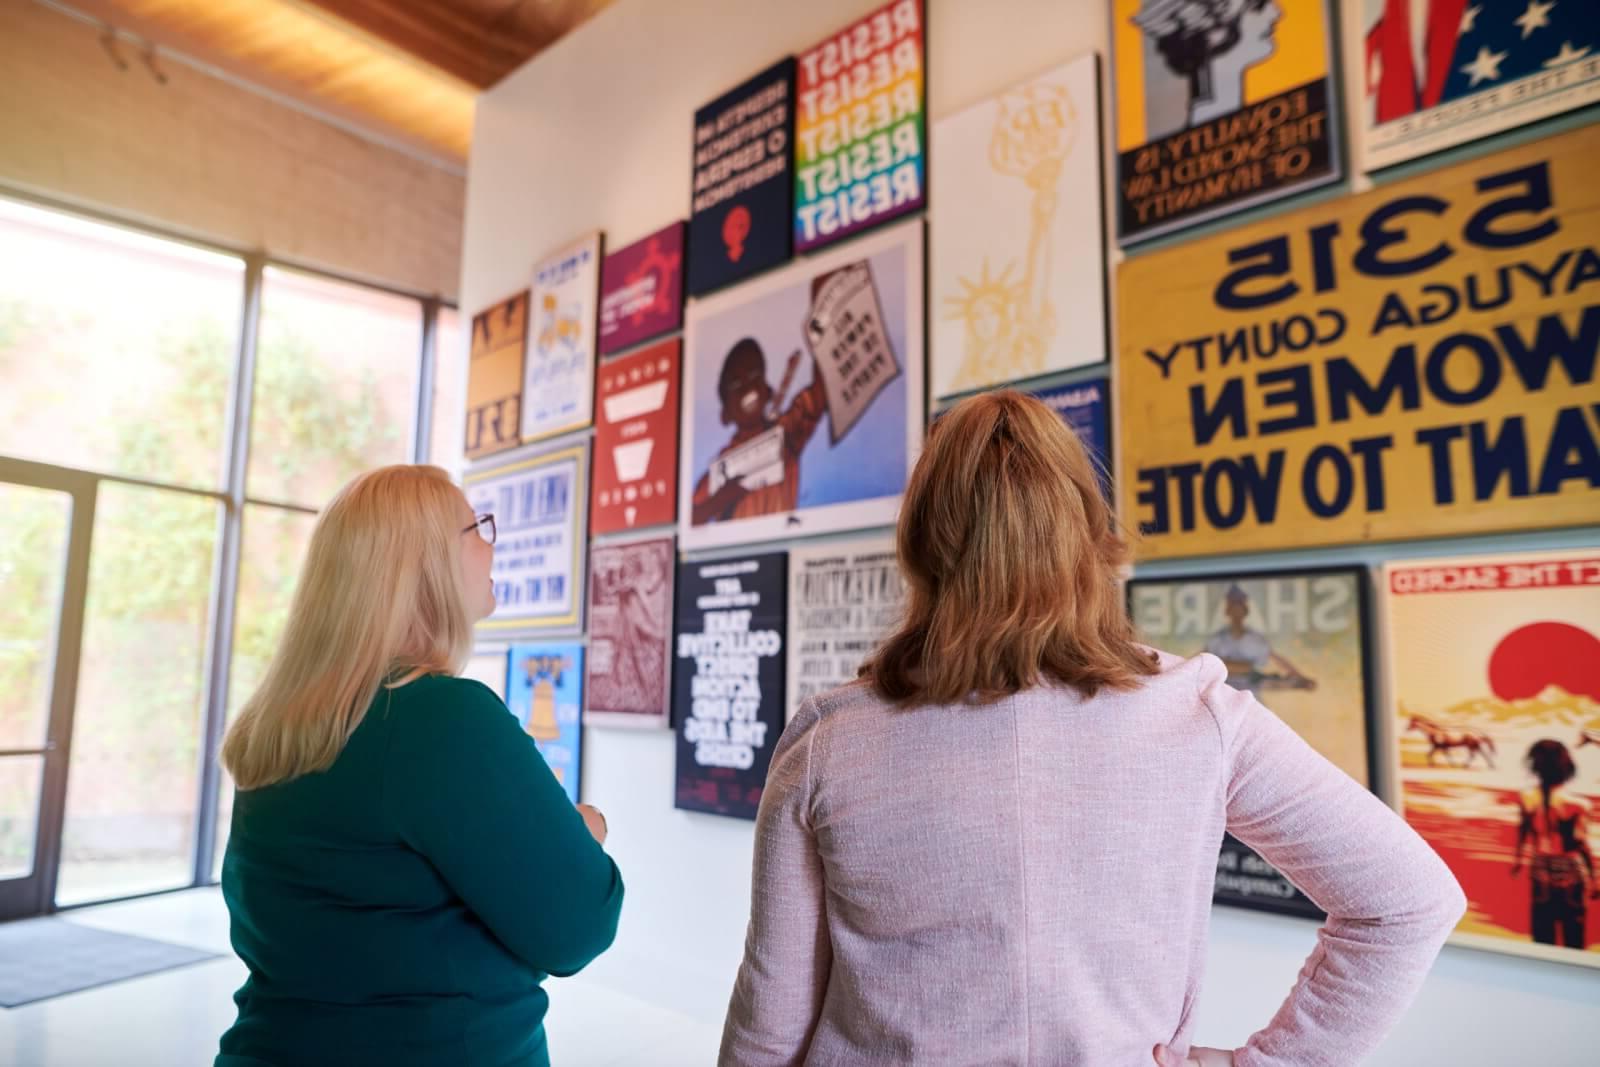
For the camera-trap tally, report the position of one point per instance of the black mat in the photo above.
(43, 958)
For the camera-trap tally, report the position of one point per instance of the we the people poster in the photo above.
(1297, 641)
(1494, 710)
(804, 406)
(545, 693)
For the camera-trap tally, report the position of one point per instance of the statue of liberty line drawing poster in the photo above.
(1221, 105)
(1017, 235)
(1494, 710)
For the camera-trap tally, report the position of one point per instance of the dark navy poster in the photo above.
(741, 220)
(727, 683)
(1084, 408)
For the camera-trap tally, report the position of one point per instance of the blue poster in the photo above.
(1084, 408)
(742, 196)
(545, 693)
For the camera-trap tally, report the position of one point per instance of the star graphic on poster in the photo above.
(1568, 54)
(1469, 18)
(1486, 67)
(1534, 16)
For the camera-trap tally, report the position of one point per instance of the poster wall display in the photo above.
(494, 376)
(727, 685)
(1219, 107)
(1085, 406)
(1297, 641)
(538, 501)
(636, 439)
(1018, 255)
(546, 695)
(558, 381)
(861, 130)
(835, 340)
(743, 181)
(1436, 73)
(488, 664)
(641, 290)
(844, 598)
(1494, 699)
(1418, 361)
(630, 629)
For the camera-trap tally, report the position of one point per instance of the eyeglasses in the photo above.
(484, 524)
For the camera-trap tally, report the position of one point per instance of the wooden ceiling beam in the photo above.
(459, 41)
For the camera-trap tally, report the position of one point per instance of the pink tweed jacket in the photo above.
(1030, 882)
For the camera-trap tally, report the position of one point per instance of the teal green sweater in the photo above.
(403, 906)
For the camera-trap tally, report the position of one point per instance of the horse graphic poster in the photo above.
(1494, 704)
(1296, 640)
(1220, 107)
(558, 374)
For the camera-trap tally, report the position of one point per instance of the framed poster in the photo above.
(844, 598)
(743, 181)
(861, 126)
(488, 664)
(1414, 362)
(835, 339)
(1017, 234)
(1431, 74)
(1219, 107)
(727, 681)
(494, 376)
(538, 501)
(1295, 639)
(1494, 707)
(636, 439)
(1086, 407)
(630, 629)
(641, 290)
(558, 381)
(546, 694)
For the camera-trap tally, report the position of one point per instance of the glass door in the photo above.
(46, 516)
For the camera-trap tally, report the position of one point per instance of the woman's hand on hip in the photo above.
(1198, 1057)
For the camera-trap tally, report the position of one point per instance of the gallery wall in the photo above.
(595, 135)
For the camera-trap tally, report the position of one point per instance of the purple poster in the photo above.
(641, 290)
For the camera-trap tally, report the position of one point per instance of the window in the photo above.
(335, 388)
(449, 394)
(116, 349)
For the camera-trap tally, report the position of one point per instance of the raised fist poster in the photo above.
(861, 127)
(833, 339)
(1018, 273)
(494, 377)
(1417, 361)
(1430, 74)
(844, 598)
(636, 439)
(727, 682)
(630, 632)
(1494, 706)
(1297, 641)
(743, 183)
(558, 374)
(1221, 105)
(545, 693)
(641, 290)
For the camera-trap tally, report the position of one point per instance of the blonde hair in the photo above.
(1010, 556)
(380, 602)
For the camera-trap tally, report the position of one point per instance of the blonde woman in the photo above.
(403, 870)
(998, 846)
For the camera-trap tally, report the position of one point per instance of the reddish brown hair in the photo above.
(1010, 556)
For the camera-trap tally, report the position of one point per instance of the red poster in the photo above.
(636, 440)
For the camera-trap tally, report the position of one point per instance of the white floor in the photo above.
(173, 1019)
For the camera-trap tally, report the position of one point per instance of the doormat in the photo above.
(44, 958)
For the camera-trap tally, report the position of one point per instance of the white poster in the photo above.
(1018, 246)
(844, 598)
(539, 503)
(558, 375)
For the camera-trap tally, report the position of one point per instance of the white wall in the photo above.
(596, 133)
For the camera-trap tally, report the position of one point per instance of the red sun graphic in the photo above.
(1540, 654)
